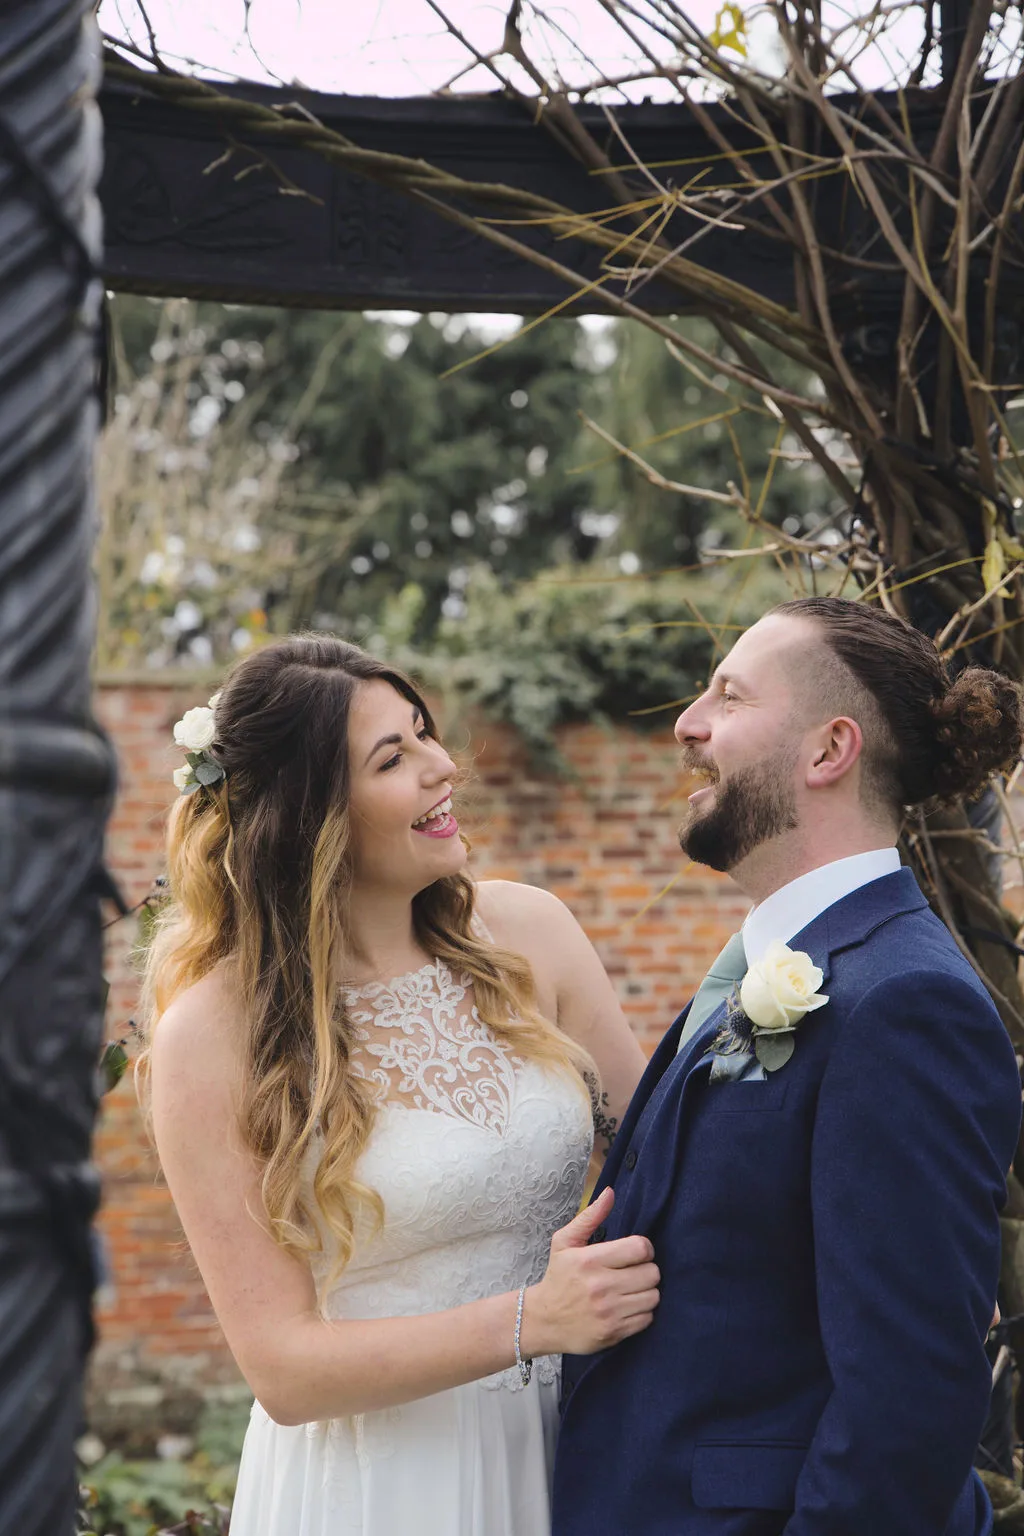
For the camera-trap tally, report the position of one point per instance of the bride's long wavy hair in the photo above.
(260, 875)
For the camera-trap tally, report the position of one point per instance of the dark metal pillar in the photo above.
(56, 770)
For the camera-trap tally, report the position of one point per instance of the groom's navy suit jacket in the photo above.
(828, 1240)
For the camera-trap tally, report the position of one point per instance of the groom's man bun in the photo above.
(927, 736)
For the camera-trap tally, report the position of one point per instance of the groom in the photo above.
(825, 1221)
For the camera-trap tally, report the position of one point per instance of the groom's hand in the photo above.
(591, 1296)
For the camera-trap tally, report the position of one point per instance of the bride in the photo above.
(371, 1085)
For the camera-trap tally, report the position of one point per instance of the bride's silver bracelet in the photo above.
(525, 1366)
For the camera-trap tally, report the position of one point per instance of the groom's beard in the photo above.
(757, 803)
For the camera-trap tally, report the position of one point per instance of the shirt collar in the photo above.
(784, 913)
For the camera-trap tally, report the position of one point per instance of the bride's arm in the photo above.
(300, 1366)
(572, 988)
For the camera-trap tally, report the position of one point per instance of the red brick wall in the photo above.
(603, 840)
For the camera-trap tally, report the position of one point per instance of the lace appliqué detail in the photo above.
(431, 1049)
(547, 1370)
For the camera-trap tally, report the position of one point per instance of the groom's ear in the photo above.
(836, 747)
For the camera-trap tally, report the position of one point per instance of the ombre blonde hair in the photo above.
(260, 876)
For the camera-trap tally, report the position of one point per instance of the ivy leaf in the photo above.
(1013, 547)
(148, 914)
(113, 1063)
(730, 29)
(993, 567)
(774, 1050)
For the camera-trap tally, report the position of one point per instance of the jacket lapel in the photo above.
(631, 1215)
(667, 1058)
(642, 1200)
(663, 1057)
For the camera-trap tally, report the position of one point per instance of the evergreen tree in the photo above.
(692, 430)
(269, 470)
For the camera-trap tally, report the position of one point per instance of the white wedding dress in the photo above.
(479, 1157)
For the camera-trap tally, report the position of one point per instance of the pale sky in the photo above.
(401, 47)
(365, 47)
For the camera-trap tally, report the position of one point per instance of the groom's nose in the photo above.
(690, 726)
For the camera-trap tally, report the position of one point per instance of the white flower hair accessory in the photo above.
(775, 995)
(195, 732)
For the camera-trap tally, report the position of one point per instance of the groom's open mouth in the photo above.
(705, 776)
(703, 793)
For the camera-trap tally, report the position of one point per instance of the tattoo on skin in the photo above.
(604, 1124)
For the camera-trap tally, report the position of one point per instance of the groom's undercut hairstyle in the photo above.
(927, 736)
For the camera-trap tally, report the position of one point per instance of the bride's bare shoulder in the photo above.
(205, 1021)
(523, 917)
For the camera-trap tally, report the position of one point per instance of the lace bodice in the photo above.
(421, 1042)
(478, 1155)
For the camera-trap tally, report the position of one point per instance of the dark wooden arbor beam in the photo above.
(174, 226)
(181, 220)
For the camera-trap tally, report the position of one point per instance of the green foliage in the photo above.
(466, 467)
(175, 1498)
(478, 506)
(569, 648)
(693, 433)
(383, 466)
(114, 1058)
(113, 1065)
(221, 1429)
(149, 912)
(140, 1498)
(323, 463)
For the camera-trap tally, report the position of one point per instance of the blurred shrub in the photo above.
(138, 1498)
(189, 1498)
(560, 648)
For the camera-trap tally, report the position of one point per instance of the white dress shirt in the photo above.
(787, 911)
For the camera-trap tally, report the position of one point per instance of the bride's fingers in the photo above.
(642, 1277)
(634, 1325)
(577, 1233)
(629, 1282)
(642, 1302)
(622, 1252)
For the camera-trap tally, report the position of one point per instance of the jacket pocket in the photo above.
(744, 1475)
(753, 1096)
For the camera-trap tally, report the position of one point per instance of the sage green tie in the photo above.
(729, 968)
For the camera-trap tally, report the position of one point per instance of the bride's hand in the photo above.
(590, 1297)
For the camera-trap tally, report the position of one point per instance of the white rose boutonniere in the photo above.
(777, 992)
(781, 987)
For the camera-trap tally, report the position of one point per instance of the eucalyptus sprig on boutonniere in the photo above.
(778, 991)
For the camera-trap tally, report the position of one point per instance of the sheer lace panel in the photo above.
(420, 1040)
